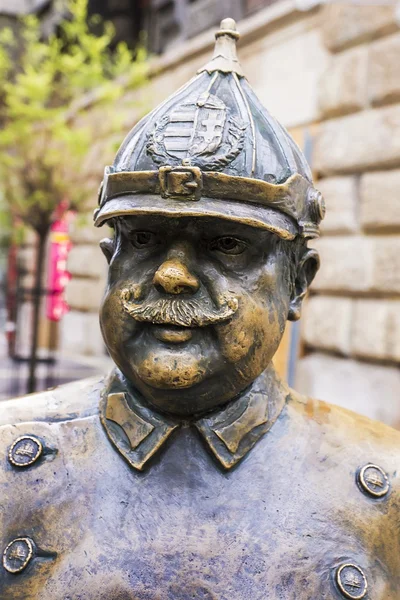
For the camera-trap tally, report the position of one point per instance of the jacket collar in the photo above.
(138, 432)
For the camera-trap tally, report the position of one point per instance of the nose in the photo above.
(174, 277)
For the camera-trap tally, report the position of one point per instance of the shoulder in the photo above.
(37, 429)
(344, 430)
(67, 402)
(47, 441)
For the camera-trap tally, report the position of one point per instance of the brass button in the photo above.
(374, 481)
(18, 554)
(25, 451)
(351, 581)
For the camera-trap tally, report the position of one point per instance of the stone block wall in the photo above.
(351, 325)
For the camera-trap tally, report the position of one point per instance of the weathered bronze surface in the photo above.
(192, 471)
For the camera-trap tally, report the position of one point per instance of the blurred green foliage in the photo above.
(46, 86)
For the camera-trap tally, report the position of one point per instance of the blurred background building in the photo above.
(331, 74)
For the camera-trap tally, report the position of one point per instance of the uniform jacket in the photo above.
(309, 509)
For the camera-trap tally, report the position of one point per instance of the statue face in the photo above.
(195, 307)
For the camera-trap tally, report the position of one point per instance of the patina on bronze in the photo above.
(192, 471)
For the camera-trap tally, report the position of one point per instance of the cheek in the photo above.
(116, 325)
(257, 328)
(237, 337)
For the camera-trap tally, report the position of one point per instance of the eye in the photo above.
(143, 239)
(228, 245)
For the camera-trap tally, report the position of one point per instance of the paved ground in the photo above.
(13, 376)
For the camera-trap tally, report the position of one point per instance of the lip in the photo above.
(172, 334)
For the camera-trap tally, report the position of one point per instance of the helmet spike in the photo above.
(228, 27)
(225, 59)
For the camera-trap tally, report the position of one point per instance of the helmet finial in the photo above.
(225, 58)
(228, 27)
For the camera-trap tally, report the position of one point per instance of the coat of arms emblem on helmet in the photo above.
(202, 132)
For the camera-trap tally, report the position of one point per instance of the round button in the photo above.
(352, 582)
(25, 451)
(374, 481)
(18, 554)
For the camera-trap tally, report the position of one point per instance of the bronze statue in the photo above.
(193, 472)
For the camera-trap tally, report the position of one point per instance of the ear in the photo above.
(306, 271)
(107, 247)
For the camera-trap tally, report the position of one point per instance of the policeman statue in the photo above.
(193, 472)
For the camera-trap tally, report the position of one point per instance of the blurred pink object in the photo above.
(58, 276)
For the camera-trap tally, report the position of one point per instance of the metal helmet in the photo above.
(212, 149)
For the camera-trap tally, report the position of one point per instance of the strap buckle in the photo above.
(180, 183)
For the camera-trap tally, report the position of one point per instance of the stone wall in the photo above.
(331, 75)
(351, 325)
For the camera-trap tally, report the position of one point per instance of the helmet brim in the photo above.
(258, 216)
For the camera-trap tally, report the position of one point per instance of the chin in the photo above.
(180, 384)
(192, 377)
(171, 370)
(171, 358)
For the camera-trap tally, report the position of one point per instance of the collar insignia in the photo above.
(231, 433)
(136, 432)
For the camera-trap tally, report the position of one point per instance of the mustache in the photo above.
(178, 311)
